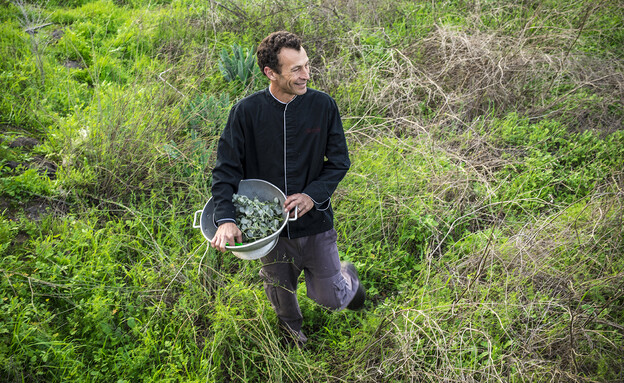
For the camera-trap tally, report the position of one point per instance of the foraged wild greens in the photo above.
(257, 219)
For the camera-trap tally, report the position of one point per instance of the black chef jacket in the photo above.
(299, 147)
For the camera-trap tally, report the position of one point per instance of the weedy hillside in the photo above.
(483, 208)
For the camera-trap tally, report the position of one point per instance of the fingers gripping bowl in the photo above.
(251, 188)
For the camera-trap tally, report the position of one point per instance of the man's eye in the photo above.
(298, 69)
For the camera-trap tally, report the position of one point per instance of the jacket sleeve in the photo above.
(335, 165)
(228, 170)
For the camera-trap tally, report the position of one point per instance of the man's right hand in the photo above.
(227, 235)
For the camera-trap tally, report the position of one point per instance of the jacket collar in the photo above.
(295, 101)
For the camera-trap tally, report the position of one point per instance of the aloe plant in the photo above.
(240, 64)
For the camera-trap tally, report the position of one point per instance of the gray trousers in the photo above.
(317, 256)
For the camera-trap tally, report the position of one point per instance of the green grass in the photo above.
(483, 208)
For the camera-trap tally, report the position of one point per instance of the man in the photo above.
(291, 136)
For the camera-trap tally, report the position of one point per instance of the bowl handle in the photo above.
(195, 225)
(296, 212)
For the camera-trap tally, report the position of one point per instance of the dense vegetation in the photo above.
(483, 209)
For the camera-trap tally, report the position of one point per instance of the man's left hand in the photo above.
(300, 200)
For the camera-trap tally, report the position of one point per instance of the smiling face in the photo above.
(294, 74)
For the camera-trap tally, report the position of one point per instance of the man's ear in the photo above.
(270, 73)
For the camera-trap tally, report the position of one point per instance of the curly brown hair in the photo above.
(270, 47)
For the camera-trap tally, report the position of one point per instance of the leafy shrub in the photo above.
(27, 184)
(555, 166)
(74, 47)
(207, 113)
(8, 230)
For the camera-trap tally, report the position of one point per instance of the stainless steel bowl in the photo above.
(265, 191)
